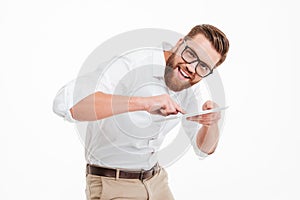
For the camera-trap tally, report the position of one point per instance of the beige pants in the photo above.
(104, 188)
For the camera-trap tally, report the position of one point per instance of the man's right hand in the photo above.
(161, 105)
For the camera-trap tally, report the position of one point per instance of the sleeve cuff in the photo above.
(68, 117)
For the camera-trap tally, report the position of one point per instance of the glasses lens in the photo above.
(189, 56)
(202, 70)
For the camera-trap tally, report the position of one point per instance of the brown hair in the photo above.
(217, 38)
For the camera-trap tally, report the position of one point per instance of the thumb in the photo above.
(208, 105)
(154, 107)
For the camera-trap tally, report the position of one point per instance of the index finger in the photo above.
(179, 108)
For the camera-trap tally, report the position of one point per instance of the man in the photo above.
(126, 108)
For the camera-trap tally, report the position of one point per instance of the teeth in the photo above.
(184, 74)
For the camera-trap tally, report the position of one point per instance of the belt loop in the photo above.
(141, 175)
(87, 170)
(117, 174)
(158, 168)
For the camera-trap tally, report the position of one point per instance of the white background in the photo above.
(44, 43)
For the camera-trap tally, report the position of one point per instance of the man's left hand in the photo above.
(207, 119)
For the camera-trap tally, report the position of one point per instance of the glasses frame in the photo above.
(199, 62)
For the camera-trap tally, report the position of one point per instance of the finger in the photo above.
(211, 115)
(209, 105)
(163, 112)
(171, 112)
(155, 107)
(206, 117)
(205, 120)
(170, 109)
(195, 118)
(212, 118)
(178, 108)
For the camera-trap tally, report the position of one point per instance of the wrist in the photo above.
(137, 104)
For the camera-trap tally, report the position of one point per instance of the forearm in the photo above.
(100, 105)
(207, 138)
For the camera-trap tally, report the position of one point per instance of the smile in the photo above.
(183, 73)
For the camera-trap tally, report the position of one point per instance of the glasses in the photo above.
(190, 57)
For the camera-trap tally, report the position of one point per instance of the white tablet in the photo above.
(202, 112)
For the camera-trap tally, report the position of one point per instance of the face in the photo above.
(179, 74)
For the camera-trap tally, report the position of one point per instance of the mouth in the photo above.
(183, 74)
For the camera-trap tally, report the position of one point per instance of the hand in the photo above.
(207, 119)
(162, 105)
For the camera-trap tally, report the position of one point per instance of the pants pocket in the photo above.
(94, 187)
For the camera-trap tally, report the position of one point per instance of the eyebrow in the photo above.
(198, 59)
(203, 63)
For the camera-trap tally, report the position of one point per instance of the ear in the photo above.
(179, 42)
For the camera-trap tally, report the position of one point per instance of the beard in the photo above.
(170, 76)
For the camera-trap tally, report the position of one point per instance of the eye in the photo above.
(204, 68)
(190, 54)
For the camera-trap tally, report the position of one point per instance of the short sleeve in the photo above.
(63, 101)
(103, 79)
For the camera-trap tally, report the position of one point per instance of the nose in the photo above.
(190, 68)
